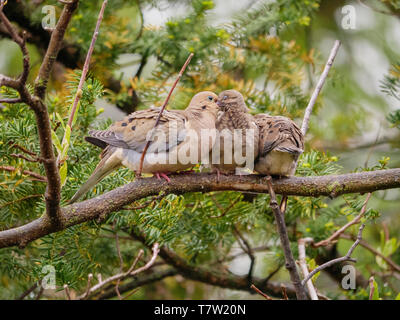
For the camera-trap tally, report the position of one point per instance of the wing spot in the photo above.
(133, 127)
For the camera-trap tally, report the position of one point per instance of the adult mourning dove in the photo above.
(176, 143)
(237, 145)
(281, 142)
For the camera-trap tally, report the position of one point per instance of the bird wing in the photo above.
(279, 133)
(136, 129)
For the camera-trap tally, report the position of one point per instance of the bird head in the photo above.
(231, 100)
(204, 102)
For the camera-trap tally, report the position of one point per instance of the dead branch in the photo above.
(347, 257)
(303, 266)
(318, 88)
(345, 227)
(367, 246)
(131, 272)
(267, 297)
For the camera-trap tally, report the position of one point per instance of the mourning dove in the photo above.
(234, 149)
(176, 143)
(281, 142)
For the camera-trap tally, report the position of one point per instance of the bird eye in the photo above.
(210, 98)
(225, 97)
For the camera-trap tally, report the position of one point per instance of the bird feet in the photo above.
(160, 175)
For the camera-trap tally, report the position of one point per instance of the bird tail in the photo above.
(107, 164)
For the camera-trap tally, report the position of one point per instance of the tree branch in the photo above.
(139, 282)
(367, 246)
(285, 242)
(330, 185)
(304, 268)
(54, 47)
(53, 189)
(215, 278)
(347, 257)
(318, 88)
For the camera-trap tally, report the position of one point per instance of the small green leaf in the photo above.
(375, 295)
(66, 140)
(56, 141)
(60, 119)
(63, 173)
(397, 297)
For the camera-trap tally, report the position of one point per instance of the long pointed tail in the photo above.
(105, 166)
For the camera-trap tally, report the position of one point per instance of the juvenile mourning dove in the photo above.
(281, 143)
(233, 116)
(177, 133)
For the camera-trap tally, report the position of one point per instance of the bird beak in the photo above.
(220, 103)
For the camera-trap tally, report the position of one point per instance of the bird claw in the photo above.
(160, 175)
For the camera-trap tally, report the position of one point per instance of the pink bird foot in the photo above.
(160, 175)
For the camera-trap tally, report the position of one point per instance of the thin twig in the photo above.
(122, 275)
(347, 257)
(27, 172)
(67, 293)
(224, 211)
(23, 149)
(30, 196)
(345, 227)
(90, 277)
(245, 245)
(85, 70)
(10, 100)
(121, 262)
(131, 293)
(320, 84)
(311, 103)
(139, 172)
(21, 156)
(27, 292)
(267, 297)
(367, 246)
(290, 263)
(284, 293)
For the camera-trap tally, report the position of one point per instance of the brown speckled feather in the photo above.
(279, 133)
(133, 131)
(278, 136)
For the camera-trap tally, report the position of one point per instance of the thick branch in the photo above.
(43, 123)
(332, 185)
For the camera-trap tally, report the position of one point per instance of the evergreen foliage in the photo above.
(257, 54)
